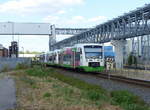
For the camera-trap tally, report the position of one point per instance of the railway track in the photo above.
(124, 79)
(138, 82)
(110, 82)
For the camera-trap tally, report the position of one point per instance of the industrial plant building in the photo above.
(11, 52)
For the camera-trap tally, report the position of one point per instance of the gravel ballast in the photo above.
(111, 85)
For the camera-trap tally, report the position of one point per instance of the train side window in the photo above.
(67, 57)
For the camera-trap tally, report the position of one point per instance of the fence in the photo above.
(11, 63)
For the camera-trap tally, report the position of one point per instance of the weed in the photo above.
(128, 101)
(47, 94)
(55, 86)
(93, 95)
(28, 80)
(134, 107)
(125, 99)
(67, 91)
(78, 83)
(21, 66)
(34, 86)
(39, 72)
(48, 80)
(5, 68)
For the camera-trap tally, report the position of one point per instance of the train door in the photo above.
(78, 57)
(57, 58)
(73, 57)
(81, 56)
(60, 58)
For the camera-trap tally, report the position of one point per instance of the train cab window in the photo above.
(92, 51)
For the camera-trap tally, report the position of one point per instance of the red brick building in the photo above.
(3, 51)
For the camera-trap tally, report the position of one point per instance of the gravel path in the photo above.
(7, 93)
(110, 85)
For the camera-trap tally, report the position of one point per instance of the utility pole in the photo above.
(12, 31)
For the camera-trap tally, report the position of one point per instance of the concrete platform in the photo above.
(131, 73)
(7, 93)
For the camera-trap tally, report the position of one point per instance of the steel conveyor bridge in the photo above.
(69, 31)
(133, 24)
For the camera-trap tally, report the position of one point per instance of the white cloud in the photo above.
(75, 21)
(61, 12)
(36, 6)
(52, 19)
(78, 18)
(97, 18)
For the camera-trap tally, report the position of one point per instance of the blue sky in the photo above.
(62, 13)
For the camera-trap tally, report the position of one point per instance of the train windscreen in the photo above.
(93, 51)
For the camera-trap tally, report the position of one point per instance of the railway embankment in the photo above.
(110, 84)
(51, 89)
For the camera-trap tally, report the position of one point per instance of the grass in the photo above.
(60, 89)
(94, 96)
(125, 99)
(38, 71)
(5, 68)
(128, 101)
(78, 83)
(47, 94)
(28, 80)
(22, 66)
(67, 91)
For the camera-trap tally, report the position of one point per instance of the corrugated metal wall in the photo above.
(11, 63)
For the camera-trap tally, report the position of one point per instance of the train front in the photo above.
(93, 58)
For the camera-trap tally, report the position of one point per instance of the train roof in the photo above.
(76, 45)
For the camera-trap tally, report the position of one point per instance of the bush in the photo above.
(128, 101)
(47, 94)
(124, 97)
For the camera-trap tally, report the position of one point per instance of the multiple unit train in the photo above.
(86, 57)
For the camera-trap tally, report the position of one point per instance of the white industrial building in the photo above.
(27, 55)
